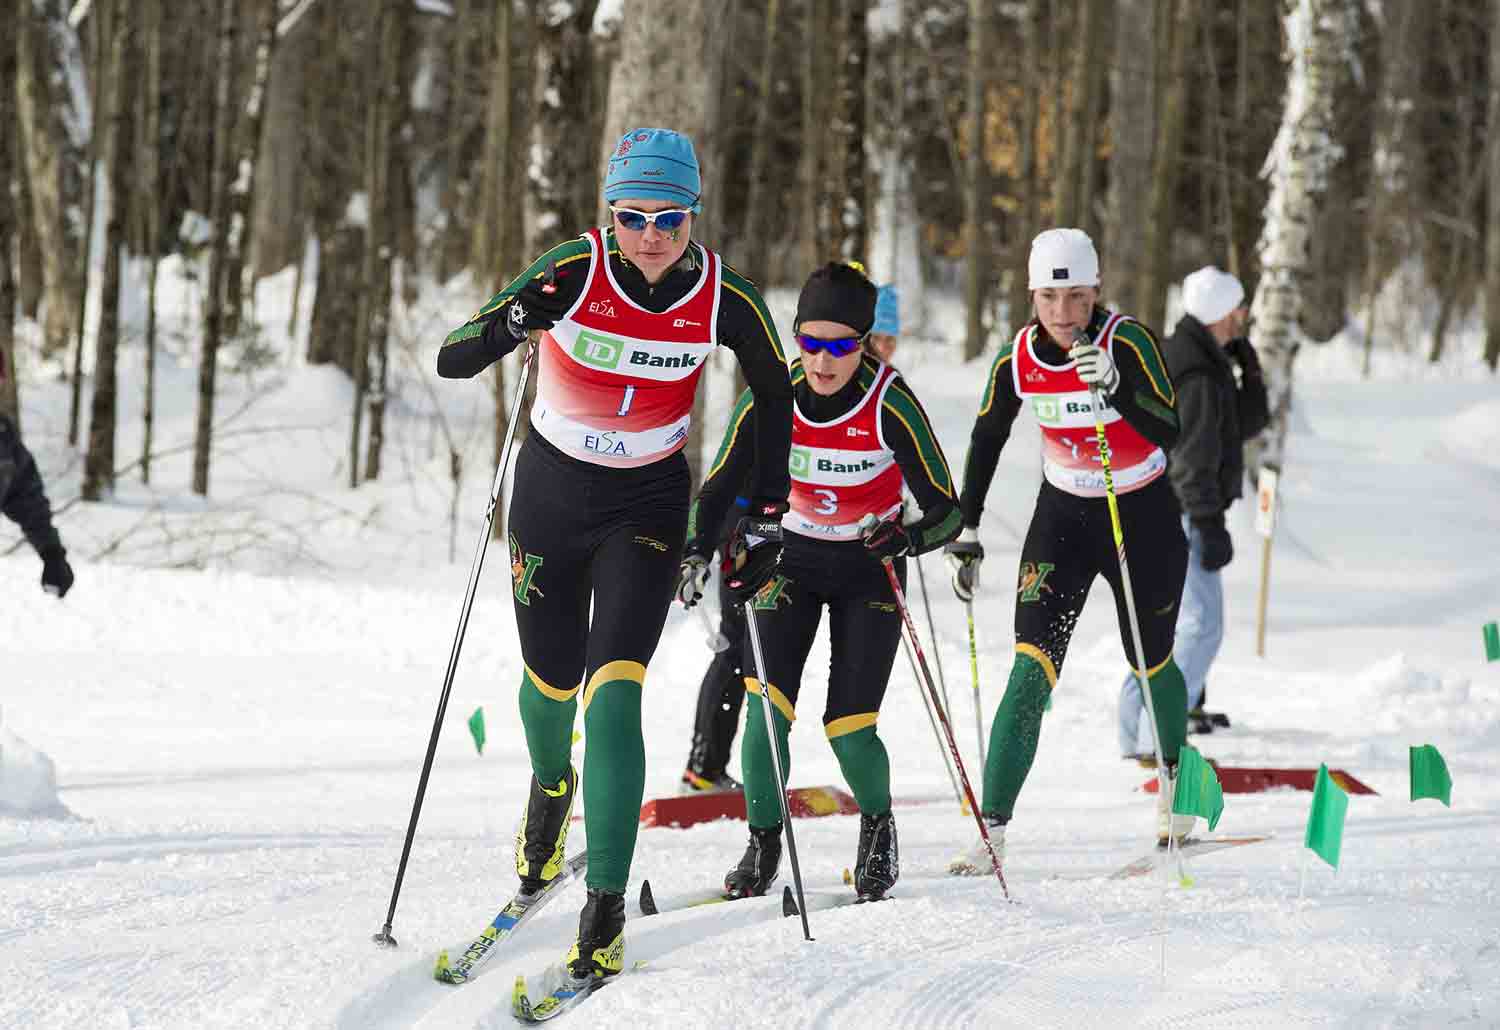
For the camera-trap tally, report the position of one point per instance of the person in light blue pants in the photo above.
(1221, 403)
(1200, 631)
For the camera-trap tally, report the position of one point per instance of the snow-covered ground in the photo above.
(236, 744)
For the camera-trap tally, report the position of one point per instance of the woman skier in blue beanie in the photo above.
(627, 313)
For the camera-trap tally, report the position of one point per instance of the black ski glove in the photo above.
(888, 539)
(1218, 548)
(537, 305)
(57, 574)
(754, 549)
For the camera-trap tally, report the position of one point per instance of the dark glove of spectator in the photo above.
(537, 305)
(1218, 548)
(1243, 353)
(57, 574)
(964, 556)
(754, 549)
(887, 539)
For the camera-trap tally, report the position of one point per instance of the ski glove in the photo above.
(1095, 367)
(57, 574)
(692, 574)
(1218, 548)
(754, 550)
(964, 556)
(888, 539)
(536, 305)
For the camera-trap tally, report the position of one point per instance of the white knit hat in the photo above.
(1062, 257)
(1209, 294)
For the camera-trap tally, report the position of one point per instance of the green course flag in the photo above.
(1198, 791)
(1325, 821)
(1492, 641)
(1429, 775)
(476, 729)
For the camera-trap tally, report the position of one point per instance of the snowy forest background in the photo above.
(386, 164)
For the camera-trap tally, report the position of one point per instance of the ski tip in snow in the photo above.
(788, 906)
(647, 901)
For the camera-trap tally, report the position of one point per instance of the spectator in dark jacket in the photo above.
(1219, 411)
(25, 503)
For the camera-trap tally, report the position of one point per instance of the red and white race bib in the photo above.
(842, 470)
(616, 382)
(1070, 442)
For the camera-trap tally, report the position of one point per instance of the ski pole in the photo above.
(974, 674)
(384, 938)
(770, 714)
(937, 734)
(867, 524)
(1096, 403)
(937, 655)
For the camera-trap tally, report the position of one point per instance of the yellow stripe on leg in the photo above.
(1039, 656)
(609, 672)
(546, 689)
(848, 724)
(783, 705)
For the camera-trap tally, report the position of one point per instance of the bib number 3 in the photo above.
(828, 502)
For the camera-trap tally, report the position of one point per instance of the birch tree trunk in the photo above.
(237, 285)
(148, 196)
(976, 183)
(228, 28)
(54, 124)
(374, 323)
(1132, 130)
(118, 82)
(9, 224)
(1492, 208)
(1319, 36)
(851, 214)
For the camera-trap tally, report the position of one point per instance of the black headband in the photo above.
(837, 293)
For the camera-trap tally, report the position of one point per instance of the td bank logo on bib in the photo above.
(797, 462)
(599, 351)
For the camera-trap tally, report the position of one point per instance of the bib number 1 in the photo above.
(626, 400)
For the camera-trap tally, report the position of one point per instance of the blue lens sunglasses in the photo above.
(839, 348)
(636, 221)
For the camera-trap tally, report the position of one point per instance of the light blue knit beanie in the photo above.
(654, 164)
(887, 311)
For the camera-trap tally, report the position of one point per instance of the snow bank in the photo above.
(1471, 434)
(28, 780)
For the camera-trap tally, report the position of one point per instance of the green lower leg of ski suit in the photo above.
(1013, 735)
(614, 775)
(866, 768)
(549, 730)
(1169, 698)
(762, 805)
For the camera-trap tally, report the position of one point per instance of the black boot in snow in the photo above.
(878, 864)
(757, 869)
(600, 949)
(542, 836)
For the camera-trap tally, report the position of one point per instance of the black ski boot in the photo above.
(878, 864)
(599, 951)
(543, 832)
(757, 869)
